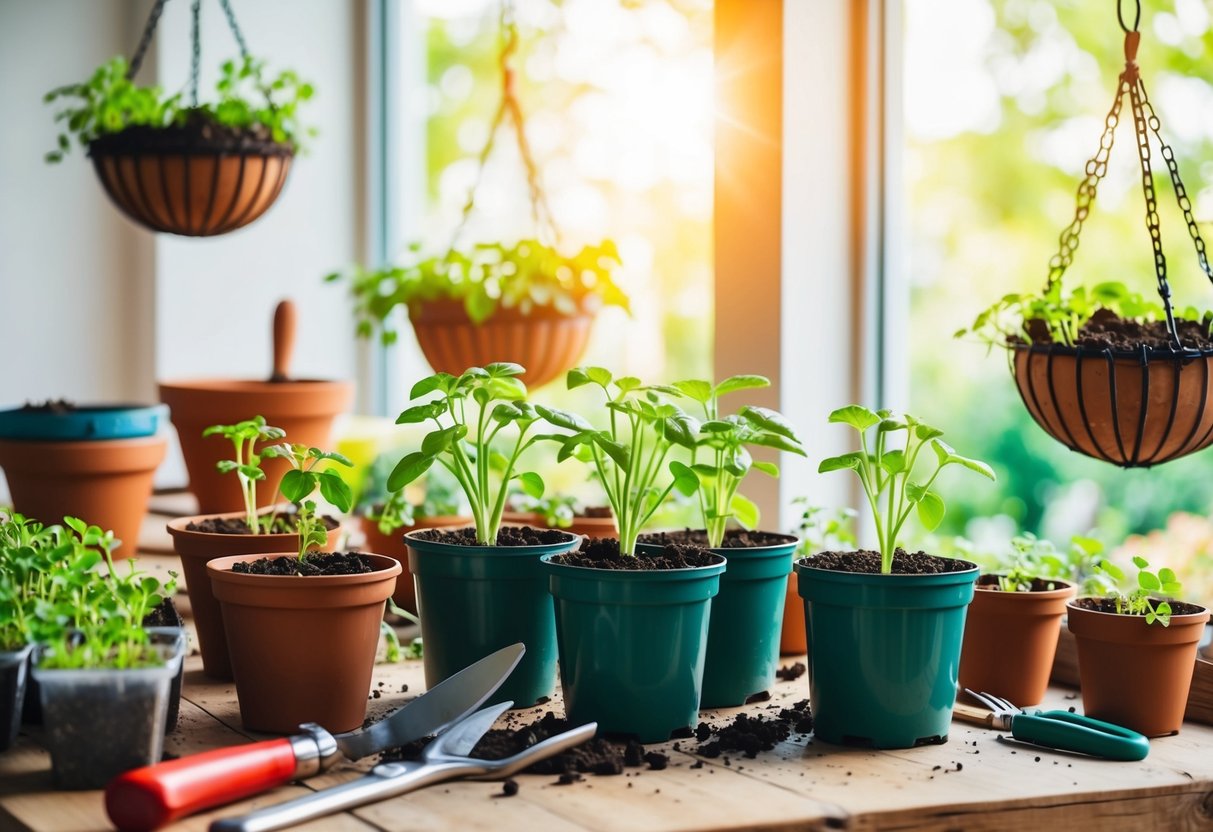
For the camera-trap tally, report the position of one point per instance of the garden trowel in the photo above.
(153, 796)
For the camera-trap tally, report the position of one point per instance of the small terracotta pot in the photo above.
(545, 341)
(523, 518)
(394, 547)
(1092, 401)
(792, 639)
(302, 648)
(196, 549)
(304, 409)
(106, 482)
(197, 194)
(594, 527)
(1010, 640)
(1133, 673)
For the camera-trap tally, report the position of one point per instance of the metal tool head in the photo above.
(437, 709)
(1002, 709)
(463, 735)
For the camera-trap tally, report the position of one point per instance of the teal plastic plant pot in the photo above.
(632, 645)
(747, 616)
(884, 654)
(474, 600)
(14, 669)
(91, 422)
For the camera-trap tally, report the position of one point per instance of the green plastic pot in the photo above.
(632, 645)
(884, 653)
(747, 615)
(474, 600)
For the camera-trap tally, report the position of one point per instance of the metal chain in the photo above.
(145, 40)
(231, 22)
(1136, 18)
(196, 59)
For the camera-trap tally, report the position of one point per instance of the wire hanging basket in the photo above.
(1131, 407)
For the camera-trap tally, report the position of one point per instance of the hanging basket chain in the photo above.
(511, 108)
(196, 56)
(145, 40)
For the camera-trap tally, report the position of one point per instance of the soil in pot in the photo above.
(506, 536)
(317, 564)
(284, 523)
(733, 538)
(1107, 330)
(603, 553)
(904, 563)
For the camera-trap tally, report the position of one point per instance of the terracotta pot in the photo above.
(302, 648)
(792, 639)
(195, 194)
(1133, 673)
(1116, 406)
(1010, 640)
(196, 549)
(523, 518)
(393, 546)
(594, 527)
(106, 482)
(304, 409)
(546, 342)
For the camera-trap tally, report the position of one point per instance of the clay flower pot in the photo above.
(1010, 640)
(792, 641)
(1133, 673)
(196, 549)
(304, 409)
(545, 341)
(393, 546)
(302, 648)
(105, 482)
(1128, 408)
(594, 526)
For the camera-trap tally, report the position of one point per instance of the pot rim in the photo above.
(217, 570)
(789, 540)
(1065, 588)
(1185, 618)
(1149, 354)
(800, 563)
(527, 549)
(447, 310)
(619, 574)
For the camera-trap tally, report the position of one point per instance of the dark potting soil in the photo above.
(990, 582)
(1109, 605)
(733, 538)
(164, 614)
(49, 406)
(791, 672)
(506, 536)
(867, 562)
(318, 564)
(197, 133)
(1106, 330)
(283, 524)
(750, 734)
(595, 512)
(603, 553)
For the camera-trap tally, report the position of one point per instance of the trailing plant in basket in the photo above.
(721, 456)
(302, 481)
(632, 456)
(1143, 600)
(469, 413)
(887, 473)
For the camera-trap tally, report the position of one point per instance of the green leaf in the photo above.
(947, 456)
(930, 510)
(774, 440)
(745, 511)
(563, 419)
(894, 462)
(532, 484)
(852, 460)
(681, 429)
(335, 490)
(576, 377)
(1148, 581)
(857, 416)
(1140, 562)
(738, 462)
(421, 412)
(686, 482)
(439, 381)
(296, 485)
(695, 389)
(440, 441)
(769, 468)
(504, 369)
(769, 421)
(408, 469)
(617, 451)
(1113, 571)
(743, 382)
(627, 384)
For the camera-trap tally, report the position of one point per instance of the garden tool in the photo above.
(1065, 731)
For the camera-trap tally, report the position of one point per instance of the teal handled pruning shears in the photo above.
(1066, 731)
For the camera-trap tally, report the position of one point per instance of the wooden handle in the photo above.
(284, 339)
(150, 797)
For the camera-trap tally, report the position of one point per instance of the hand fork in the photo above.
(443, 759)
(1066, 731)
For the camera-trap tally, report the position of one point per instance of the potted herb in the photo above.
(251, 531)
(527, 301)
(743, 637)
(1137, 650)
(884, 627)
(632, 626)
(104, 683)
(303, 627)
(820, 530)
(481, 588)
(1013, 623)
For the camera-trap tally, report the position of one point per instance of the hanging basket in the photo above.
(1131, 407)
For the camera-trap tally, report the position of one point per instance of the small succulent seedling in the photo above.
(631, 457)
(302, 481)
(721, 457)
(887, 474)
(1143, 600)
(245, 437)
(469, 413)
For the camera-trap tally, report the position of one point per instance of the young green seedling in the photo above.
(721, 457)
(887, 474)
(1143, 600)
(630, 457)
(301, 482)
(824, 530)
(469, 413)
(245, 437)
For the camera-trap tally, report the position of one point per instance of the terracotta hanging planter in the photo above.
(1010, 640)
(196, 549)
(394, 547)
(545, 341)
(302, 648)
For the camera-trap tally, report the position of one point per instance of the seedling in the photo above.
(887, 474)
(31, 557)
(721, 457)
(557, 511)
(824, 530)
(245, 437)
(1144, 599)
(301, 482)
(469, 413)
(630, 457)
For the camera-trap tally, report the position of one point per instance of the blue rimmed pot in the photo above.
(93, 422)
(473, 600)
(747, 616)
(632, 644)
(884, 653)
(14, 671)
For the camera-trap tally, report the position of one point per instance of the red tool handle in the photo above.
(152, 796)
